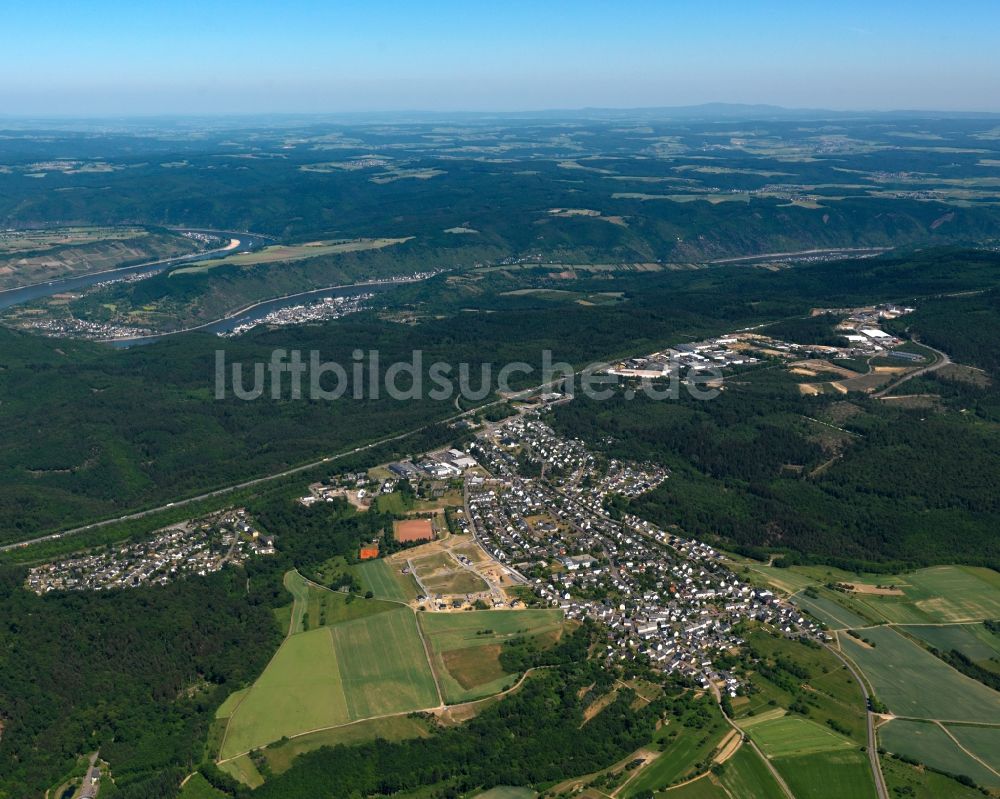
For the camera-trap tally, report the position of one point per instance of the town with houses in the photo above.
(322, 310)
(661, 597)
(542, 509)
(198, 547)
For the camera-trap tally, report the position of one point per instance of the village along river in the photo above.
(245, 243)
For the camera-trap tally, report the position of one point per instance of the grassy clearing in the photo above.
(746, 776)
(227, 708)
(843, 773)
(929, 744)
(280, 756)
(704, 788)
(299, 589)
(682, 753)
(456, 630)
(983, 742)
(384, 581)
(383, 665)
(794, 735)
(937, 595)
(294, 252)
(301, 689)
(507, 792)
(243, 770)
(912, 682)
(330, 607)
(459, 581)
(199, 788)
(829, 691)
(785, 580)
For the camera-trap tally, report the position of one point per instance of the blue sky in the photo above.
(115, 57)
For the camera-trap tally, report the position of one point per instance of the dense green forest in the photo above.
(136, 674)
(92, 433)
(139, 673)
(857, 482)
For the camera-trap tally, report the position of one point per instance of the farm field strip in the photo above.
(377, 577)
(793, 735)
(930, 744)
(301, 689)
(983, 742)
(383, 665)
(811, 776)
(915, 684)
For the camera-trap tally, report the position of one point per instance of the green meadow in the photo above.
(912, 682)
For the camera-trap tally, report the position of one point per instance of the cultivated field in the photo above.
(746, 777)
(690, 746)
(929, 744)
(293, 252)
(841, 773)
(383, 665)
(828, 611)
(385, 581)
(973, 640)
(793, 735)
(394, 728)
(301, 689)
(345, 658)
(811, 757)
(983, 742)
(465, 647)
(83, 251)
(939, 595)
(912, 682)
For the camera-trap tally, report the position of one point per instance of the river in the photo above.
(37, 291)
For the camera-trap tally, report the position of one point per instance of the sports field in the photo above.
(384, 580)
(383, 665)
(928, 744)
(912, 682)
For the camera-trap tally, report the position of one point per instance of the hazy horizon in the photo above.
(112, 58)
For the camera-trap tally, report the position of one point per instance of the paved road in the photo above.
(872, 743)
(943, 360)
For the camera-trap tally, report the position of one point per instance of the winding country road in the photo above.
(883, 793)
